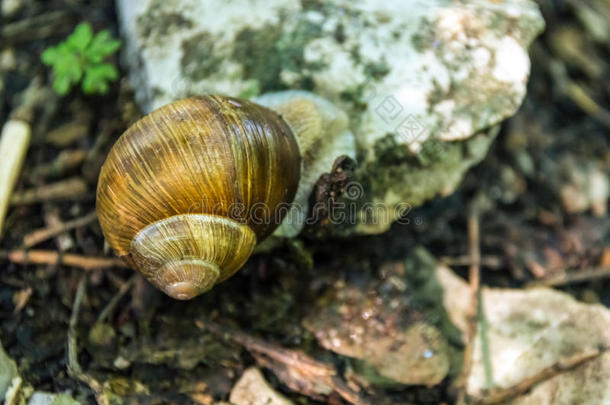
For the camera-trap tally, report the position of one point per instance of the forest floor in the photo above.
(535, 201)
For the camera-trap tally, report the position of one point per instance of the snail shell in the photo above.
(188, 191)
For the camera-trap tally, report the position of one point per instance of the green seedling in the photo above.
(80, 59)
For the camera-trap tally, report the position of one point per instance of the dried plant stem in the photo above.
(501, 395)
(582, 99)
(569, 277)
(485, 349)
(37, 27)
(40, 235)
(55, 258)
(110, 307)
(14, 143)
(475, 285)
(74, 368)
(578, 94)
(64, 162)
(69, 189)
(51, 216)
(490, 261)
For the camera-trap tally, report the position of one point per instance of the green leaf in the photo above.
(68, 66)
(80, 57)
(61, 85)
(97, 78)
(81, 37)
(101, 45)
(50, 56)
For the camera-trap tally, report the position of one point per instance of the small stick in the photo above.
(74, 368)
(72, 260)
(569, 277)
(492, 262)
(474, 277)
(65, 161)
(40, 235)
(63, 240)
(577, 93)
(109, 309)
(37, 27)
(586, 103)
(500, 395)
(70, 189)
(97, 154)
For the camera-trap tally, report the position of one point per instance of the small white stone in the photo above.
(11, 7)
(253, 389)
(121, 363)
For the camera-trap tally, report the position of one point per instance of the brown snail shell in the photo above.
(188, 191)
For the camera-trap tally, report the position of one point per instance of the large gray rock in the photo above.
(423, 82)
(528, 333)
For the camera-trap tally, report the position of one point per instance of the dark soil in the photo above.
(517, 191)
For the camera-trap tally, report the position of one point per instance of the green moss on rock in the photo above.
(160, 20)
(437, 166)
(200, 58)
(264, 53)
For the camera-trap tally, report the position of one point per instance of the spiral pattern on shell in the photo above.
(178, 192)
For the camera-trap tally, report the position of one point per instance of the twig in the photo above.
(97, 154)
(37, 27)
(115, 300)
(298, 371)
(575, 92)
(500, 395)
(485, 349)
(474, 253)
(40, 235)
(70, 189)
(74, 368)
(492, 262)
(63, 241)
(55, 258)
(66, 160)
(569, 277)
(582, 99)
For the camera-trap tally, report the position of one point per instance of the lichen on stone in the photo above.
(200, 56)
(160, 19)
(265, 53)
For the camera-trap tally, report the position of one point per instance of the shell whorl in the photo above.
(178, 191)
(185, 255)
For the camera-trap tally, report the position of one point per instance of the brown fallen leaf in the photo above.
(295, 369)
